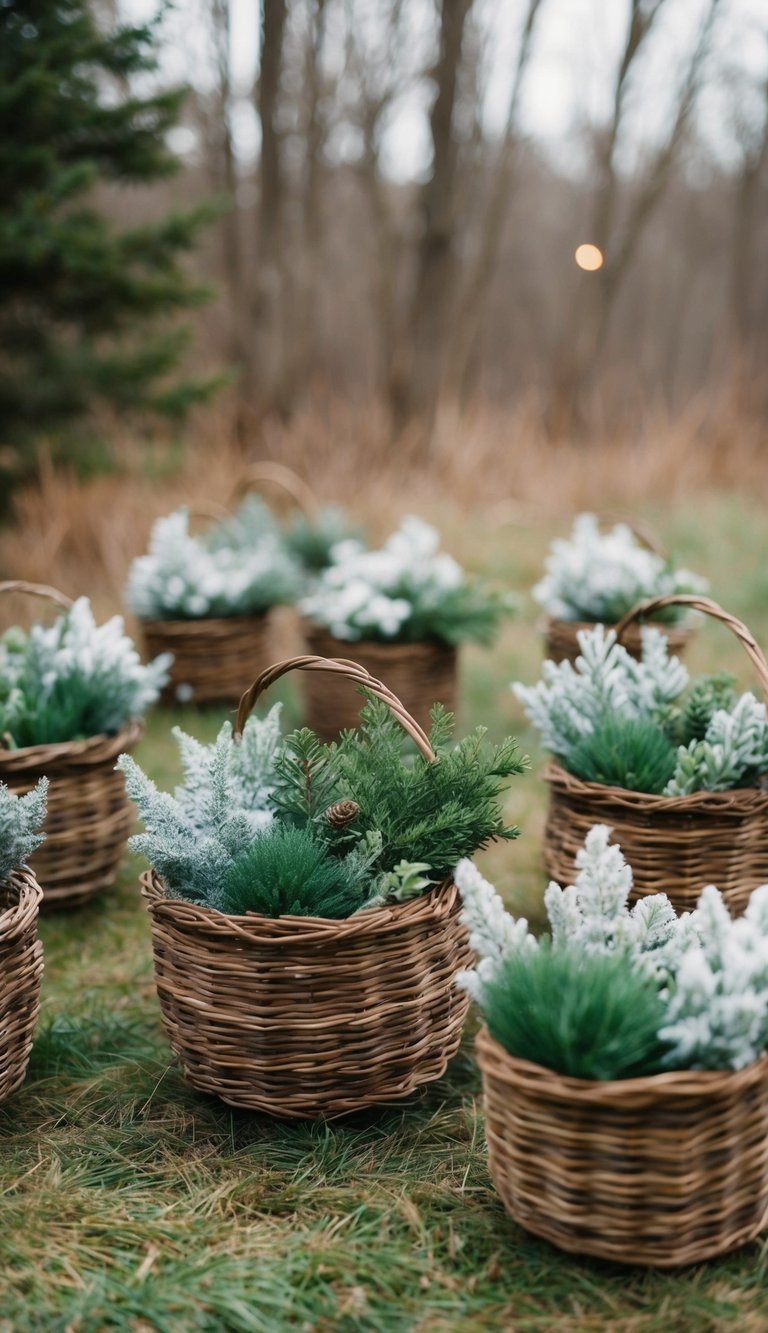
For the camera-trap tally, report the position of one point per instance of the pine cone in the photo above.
(342, 813)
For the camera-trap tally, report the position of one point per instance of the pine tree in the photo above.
(84, 302)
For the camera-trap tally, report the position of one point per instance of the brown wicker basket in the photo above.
(213, 657)
(421, 674)
(674, 844)
(89, 816)
(21, 973)
(304, 1017)
(561, 643)
(662, 1171)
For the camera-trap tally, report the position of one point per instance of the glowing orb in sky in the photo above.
(589, 257)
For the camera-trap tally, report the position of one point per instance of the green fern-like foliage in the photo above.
(633, 753)
(286, 872)
(708, 694)
(427, 813)
(584, 1015)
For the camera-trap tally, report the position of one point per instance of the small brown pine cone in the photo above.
(342, 813)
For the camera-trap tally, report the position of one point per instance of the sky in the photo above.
(569, 80)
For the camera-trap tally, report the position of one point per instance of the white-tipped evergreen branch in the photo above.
(21, 818)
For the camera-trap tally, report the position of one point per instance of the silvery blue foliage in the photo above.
(193, 837)
(408, 589)
(734, 746)
(598, 576)
(187, 577)
(570, 700)
(74, 676)
(712, 970)
(717, 1015)
(20, 820)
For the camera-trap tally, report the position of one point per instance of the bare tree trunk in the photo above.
(267, 389)
(418, 372)
(586, 331)
(308, 263)
(472, 300)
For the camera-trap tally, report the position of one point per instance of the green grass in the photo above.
(131, 1203)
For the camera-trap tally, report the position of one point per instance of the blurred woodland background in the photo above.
(362, 216)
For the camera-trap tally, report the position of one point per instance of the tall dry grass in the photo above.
(81, 535)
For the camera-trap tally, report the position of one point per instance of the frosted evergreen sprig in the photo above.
(573, 702)
(408, 591)
(223, 573)
(599, 576)
(21, 818)
(73, 679)
(711, 970)
(570, 700)
(193, 837)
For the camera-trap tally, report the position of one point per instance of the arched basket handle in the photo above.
(37, 590)
(338, 666)
(277, 474)
(208, 511)
(652, 605)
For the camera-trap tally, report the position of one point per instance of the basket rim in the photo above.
(176, 624)
(434, 905)
(677, 1084)
(18, 915)
(374, 645)
(683, 628)
(104, 745)
(744, 799)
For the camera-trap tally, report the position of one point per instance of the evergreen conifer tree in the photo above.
(85, 303)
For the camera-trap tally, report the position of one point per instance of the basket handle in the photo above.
(338, 666)
(641, 530)
(277, 474)
(708, 608)
(208, 510)
(37, 590)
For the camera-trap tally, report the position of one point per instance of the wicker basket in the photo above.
(266, 473)
(663, 1171)
(421, 674)
(89, 816)
(305, 1017)
(21, 973)
(212, 657)
(677, 844)
(561, 643)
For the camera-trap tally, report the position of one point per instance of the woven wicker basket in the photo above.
(21, 973)
(660, 1171)
(89, 816)
(421, 674)
(212, 657)
(304, 1017)
(677, 844)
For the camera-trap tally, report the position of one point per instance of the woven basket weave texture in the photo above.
(21, 973)
(661, 1171)
(89, 815)
(214, 657)
(674, 844)
(305, 1017)
(421, 674)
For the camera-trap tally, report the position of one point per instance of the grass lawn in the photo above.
(130, 1202)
